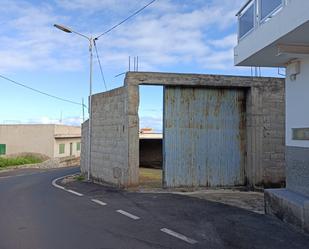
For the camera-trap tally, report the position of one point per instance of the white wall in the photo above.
(66, 142)
(293, 15)
(297, 103)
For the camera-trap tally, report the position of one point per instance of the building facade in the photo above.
(51, 140)
(275, 33)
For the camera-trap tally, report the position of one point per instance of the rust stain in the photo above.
(200, 152)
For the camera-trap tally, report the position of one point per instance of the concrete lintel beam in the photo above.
(293, 49)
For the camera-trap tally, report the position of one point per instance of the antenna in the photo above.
(129, 63)
(135, 64)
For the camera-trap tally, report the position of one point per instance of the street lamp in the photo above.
(91, 41)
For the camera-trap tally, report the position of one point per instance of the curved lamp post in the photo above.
(90, 40)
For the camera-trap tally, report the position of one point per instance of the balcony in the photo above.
(255, 13)
(271, 33)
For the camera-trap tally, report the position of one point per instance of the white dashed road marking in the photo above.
(74, 192)
(178, 236)
(132, 216)
(99, 202)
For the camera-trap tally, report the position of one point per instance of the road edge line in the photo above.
(63, 188)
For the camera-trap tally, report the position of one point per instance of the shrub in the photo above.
(19, 160)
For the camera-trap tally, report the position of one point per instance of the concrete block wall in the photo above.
(273, 109)
(84, 148)
(265, 118)
(266, 134)
(112, 122)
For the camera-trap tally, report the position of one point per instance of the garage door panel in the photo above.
(203, 137)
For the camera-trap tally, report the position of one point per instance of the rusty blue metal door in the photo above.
(204, 137)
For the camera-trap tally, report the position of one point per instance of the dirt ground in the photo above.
(249, 200)
(151, 181)
(150, 178)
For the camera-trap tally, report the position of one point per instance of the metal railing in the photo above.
(256, 12)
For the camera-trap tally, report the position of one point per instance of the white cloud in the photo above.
(92, 5)
(178, 37)
(76, 121)
(226, 42)
(29, 41)
(169, 33)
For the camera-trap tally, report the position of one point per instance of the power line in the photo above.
(109, 30)
(38, 91)
(129, 17)
(102, 74)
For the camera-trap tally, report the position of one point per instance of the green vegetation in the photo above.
(79, 178)
(19, 160)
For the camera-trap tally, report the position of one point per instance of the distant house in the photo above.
(51, 140)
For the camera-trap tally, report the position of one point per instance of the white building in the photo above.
(275, 33)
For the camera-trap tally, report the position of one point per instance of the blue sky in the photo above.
(170, 36)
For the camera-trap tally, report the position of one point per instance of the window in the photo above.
(269, 7)
(2, 149)
(78, 146)
(61, 148)
(300, 133)
(246, 21)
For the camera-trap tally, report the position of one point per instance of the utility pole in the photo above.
(90, 40)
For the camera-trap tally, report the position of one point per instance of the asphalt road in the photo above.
(36, 215)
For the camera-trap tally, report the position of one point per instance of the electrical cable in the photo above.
(102, 74)
(41, 92)
(129, 17)
(109, 30)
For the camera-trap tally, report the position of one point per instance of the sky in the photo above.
(182, 36)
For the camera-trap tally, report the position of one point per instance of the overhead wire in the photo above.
(41, 92)
(109, 30)
(126, 19)
(99, 61)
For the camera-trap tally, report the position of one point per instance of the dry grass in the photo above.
(150, 178)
